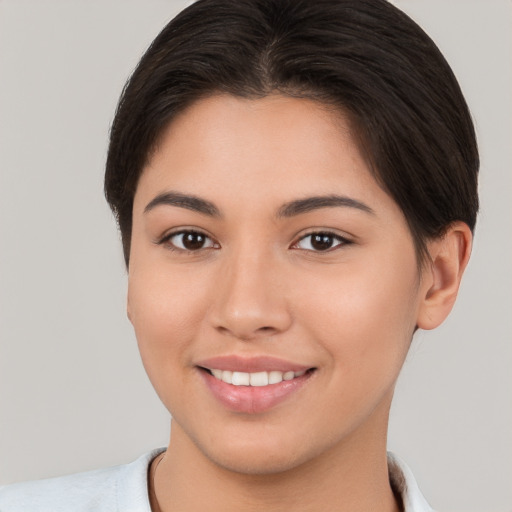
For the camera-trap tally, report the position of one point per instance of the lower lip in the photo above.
(253, 399)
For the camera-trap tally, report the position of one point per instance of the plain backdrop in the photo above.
(73, 393)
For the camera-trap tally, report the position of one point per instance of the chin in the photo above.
(262, 453)
(258, 462)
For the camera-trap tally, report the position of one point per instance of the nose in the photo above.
(250, 299)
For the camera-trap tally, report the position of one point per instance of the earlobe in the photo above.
(449, 256)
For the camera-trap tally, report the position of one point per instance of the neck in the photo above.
(354, 476)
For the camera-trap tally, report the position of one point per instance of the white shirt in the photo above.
(124, 489)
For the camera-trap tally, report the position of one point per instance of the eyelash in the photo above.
(166, 241)
(342, 241)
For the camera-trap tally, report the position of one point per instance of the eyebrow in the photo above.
(309, 204)
(290, 209)
(187, 201)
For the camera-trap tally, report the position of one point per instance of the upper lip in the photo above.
(252, 364)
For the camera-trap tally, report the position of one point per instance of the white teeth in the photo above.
(254, 379)
(258, 379)
(275, 377)
(240, 379)
(217, 373)
(226, 376)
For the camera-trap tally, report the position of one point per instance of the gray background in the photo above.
(73, 394)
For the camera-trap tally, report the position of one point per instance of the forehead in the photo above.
(275, 148)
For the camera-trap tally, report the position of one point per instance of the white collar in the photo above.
(404, 484)
(133, 494)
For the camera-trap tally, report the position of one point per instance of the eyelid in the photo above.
(344, 240)
(165, 239)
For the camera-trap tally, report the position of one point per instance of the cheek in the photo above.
(364, 316)
(165, 310)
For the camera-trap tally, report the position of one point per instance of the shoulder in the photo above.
(80, 492)
(120, 488)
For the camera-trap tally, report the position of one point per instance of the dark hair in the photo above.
(364, 57)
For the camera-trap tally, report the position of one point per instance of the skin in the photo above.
(258, 287)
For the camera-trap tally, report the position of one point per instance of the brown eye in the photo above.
(321, 242)
(190, 241)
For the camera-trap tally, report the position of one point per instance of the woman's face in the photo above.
(263, 246)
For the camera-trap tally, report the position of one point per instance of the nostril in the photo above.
(247, 334)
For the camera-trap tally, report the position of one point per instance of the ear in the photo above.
(441, 276)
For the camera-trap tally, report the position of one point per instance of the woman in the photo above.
(295, 185)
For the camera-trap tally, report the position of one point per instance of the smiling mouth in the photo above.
(257, 391)
(255, 379)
